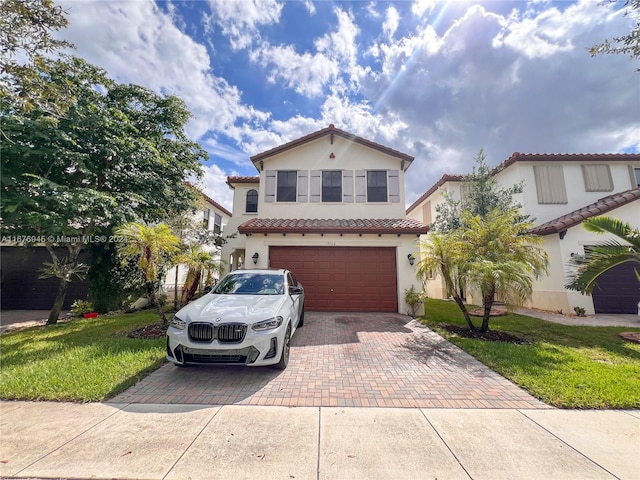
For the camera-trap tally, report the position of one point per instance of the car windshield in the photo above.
(251, 284)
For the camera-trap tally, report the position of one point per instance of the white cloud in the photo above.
(391, 22)
(420, 6)
(305, 73)
(240, 19)
(137, 43)
(214, 184)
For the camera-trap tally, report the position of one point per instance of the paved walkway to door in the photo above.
(345, 359)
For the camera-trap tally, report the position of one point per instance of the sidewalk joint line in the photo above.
(445, 443)
(567, 444)
(118, 409)
(192, 441)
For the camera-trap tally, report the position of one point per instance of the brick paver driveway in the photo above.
(345, 359)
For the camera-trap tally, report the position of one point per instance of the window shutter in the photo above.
(550, 185)
(597, 178)
(316, 185)
(270, 190)
(426, 212)
(361, 186)
(347, 186)
(394, 186)
(303, 186)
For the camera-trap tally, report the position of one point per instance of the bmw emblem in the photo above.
(217, 320)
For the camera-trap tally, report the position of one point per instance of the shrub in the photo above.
(80, 307)
(414, 299)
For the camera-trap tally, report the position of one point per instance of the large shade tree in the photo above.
(119, 153)
(606, 255)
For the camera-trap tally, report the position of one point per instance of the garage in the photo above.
(617, 290)
(347, 279)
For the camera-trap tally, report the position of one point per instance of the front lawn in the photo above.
(81, 360)
(564, 366)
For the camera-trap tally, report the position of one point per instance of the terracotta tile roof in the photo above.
(569, 157)
(217, 205)
(600, 207)
(536, 157)
(364, 225)
(332, 130)
(445, 178)
(255, 179)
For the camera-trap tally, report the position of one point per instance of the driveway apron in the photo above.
(345, 359)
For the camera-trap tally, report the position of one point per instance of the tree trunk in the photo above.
(74, 253)
(190, 285)
(488, 303)
(175, 290)
(465, 312)
(154, 299)
(57, 305)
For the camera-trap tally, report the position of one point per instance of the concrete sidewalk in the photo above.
(150, 441)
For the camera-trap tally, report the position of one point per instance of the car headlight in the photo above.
(177, 323)
(268, 324)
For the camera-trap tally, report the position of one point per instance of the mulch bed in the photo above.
(149, 332)
(631, 336)
(490, 336)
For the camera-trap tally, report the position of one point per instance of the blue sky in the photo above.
(437, 80)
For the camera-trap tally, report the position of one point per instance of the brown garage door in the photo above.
(617, 290)
(342, 279)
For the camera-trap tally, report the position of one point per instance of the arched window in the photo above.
(252, 201)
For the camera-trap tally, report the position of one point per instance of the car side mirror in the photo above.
(295, 290)
(207, 289)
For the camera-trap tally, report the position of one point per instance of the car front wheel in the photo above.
(286, 347)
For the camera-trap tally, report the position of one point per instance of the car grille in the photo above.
(201, 332)
(227, 333)
(231, 333)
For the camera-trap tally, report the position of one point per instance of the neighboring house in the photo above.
(330, 207)
(214, 218)
(560, 191)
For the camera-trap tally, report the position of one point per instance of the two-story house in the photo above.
(560, 191)
(214, 218)
(329, 206)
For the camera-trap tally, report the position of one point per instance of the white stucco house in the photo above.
(329, 206)
(214, 218)
(560, 191)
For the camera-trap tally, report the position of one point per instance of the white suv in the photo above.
(247, 319)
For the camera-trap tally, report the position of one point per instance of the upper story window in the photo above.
(332, 186)
(597, 178)
(205, 220)
(637, 170)
(377, 186)
(286, 186)
(252, 201)
(217, 224)
(550, 185)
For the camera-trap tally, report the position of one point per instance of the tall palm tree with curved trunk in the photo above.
(149, 244)
(606, 255)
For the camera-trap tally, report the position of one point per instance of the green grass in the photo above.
(81, 360)
(564, 366)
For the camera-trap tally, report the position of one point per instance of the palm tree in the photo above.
(149, 244)
(503, 258)
(606, 255)
(198, 261)
(444, 254)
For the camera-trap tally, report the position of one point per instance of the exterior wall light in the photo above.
(255, 257)
(412, 259)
